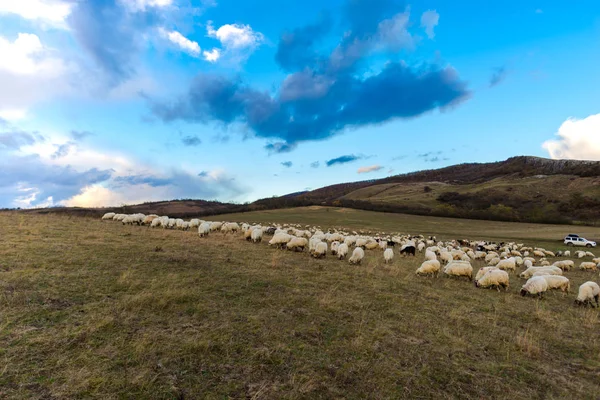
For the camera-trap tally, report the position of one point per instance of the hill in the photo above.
(524, 189)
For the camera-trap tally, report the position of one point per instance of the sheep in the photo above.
(230, 227)
(342, 251)
(587, 266)
(256, 235)
(534, 285)
(588, 292)
(490, 256)
(537, 271)
(297, 244)
(538, 253)
(596, 260)
(421, 247)
(156, 222)
(459, 268)
(567, 253)
(215, 226)
(494, 278)
(494, 261)
(565, 265)
(334, 247)
(527, 263)
(148, 219)
(388, 255)
(445, 257)
(361, 242)
(204, 229)
(429, 267)
(507, 265)
(371, 245)
(483, 271)
(557, 282)
(357, 255)
(195, 222)
(408, 250)
(430, 255)
(109, 215)
(280, 239)
(320, 250)
(589, 254)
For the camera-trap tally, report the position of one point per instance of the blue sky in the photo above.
(109, 102)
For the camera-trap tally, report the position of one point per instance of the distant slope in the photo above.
(528, 189)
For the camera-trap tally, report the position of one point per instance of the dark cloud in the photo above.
(279, 147)
(191, 141)
(287, 164)
(28, 174)
(342, 160)
(62, 150)
(498, 76)
(203, 174)
(295, 50)
(112, 34)
(80, 135)
(315, 164)
(320, 99)
(14, 140)
(398, 158)
(429, 154)
(143, 180)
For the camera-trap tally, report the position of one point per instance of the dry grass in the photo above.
(92, 310)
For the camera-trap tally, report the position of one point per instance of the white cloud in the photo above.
(429, 20)
(237, 40)
(578, 139)
(29, 72)
(13, 114)
(50, 11)
(141, 5)
(212, 56)
(185, 44)
(371, 168)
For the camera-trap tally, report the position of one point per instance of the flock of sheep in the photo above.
(453, 258)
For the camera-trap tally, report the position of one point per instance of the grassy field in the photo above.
(549, 236)
(93, 309)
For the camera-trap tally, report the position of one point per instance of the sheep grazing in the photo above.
(297, 244)
(230, 227)
(430, 255)
(195, 223)
(320, 250)
(588, 292)
(587, 266)
(567, 253)
(204, 229)
(334, 247)
(256, 235)
(534, 285)
(507, 265)
(483, 271)
(361, 242)
(342, 251)
(493, 278)
(215, 226)
(280, 240)
(109, 215)
(557, 282)
(357, 255)
(537, 271)
(459, 268)
(429, 267)
(388, 255)
(408, 250)
(565, 265)
(148, 219)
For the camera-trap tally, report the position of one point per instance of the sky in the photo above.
(112, 102)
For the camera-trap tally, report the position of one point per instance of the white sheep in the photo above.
(565, 265)
(537, 271)
(588, 266)
(230, 227)
(507, 265)
(430, 255)
(320, 250)
(256, 234)
(588, 292)
(429, 267)
(195, 223)
(493, 278)
(483, 271)
(297, 244)
(567, 253)
(215, 226)
(388, 255)
(357, 255)
(361, 242)
(109, 215)
(459, 268)
(342, 251)
(558, 282)
(204, 229)
(280, 239)
(534, 285)
(334, 247)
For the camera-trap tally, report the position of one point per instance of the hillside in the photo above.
(528, 189)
